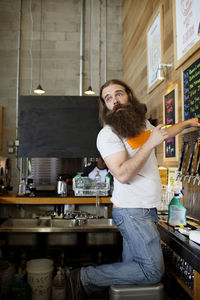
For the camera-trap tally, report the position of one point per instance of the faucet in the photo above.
(97, 205)
(97, 187)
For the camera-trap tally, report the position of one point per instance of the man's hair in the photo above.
(102, 106)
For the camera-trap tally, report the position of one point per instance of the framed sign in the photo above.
(154, 48)
(191, 90)
(186, 26)
(170, 146)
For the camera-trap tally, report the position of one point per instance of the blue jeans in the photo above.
(142, 259)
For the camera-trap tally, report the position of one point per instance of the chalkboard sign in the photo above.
(58, 126)
(169, 103)
(191, 87)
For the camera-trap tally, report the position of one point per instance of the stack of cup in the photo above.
(39, 273)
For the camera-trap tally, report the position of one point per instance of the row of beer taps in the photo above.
(189, 163)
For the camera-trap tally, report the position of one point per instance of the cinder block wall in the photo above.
(26, 27)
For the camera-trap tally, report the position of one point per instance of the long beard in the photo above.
(129, 121)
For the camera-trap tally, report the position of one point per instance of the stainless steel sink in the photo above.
(12, 222)
(56, 225)
(25, 225)
(63, 223)
(99, 222)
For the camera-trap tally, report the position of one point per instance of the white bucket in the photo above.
(40, 273)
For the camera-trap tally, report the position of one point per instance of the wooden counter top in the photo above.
(14, 199)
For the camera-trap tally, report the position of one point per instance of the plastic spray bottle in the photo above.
(59, 285)
(176, 211)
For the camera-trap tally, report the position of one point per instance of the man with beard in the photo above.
(126, 143)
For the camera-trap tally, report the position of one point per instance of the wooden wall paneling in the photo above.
(135, 61)
(137, 35)
(138, 13)
(168, 42)
(196, 285)
(137, 68)
(136, 71)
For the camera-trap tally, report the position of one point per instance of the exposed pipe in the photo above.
(18, 67)
(81, 49)
(18, 79)
(105, 44)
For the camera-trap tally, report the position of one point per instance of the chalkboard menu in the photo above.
(170, 144)
(191, 85)
(58, 126)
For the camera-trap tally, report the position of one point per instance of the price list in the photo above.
(170, 144)
(191, 80)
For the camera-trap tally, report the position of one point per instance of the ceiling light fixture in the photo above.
(162, 71)
(89, 91)
(40, 91)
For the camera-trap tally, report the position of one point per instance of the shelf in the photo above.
(188, 250)
(180, 282)
(14, 199)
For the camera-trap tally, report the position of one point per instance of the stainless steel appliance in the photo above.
(62, 186)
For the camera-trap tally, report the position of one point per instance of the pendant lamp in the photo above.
(89, 91)
(39, 90)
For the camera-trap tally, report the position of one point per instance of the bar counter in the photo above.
(179, 243)
(14, 199)
(186, 249)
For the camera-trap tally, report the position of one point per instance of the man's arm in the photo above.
(179, 127)
(123, 169)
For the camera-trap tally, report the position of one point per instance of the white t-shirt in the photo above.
(143, 190)
(102, 173)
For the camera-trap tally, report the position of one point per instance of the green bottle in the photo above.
(176, 211)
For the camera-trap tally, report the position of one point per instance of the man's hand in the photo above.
(158, 135)
(195, 122)
(179, 127)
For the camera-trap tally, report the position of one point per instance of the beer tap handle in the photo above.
(195, 158)
(185, 160)
(189, 178)
(195, 178)
(197, 173)
(191, 159)
(182, 155)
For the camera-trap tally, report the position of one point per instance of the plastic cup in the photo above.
(39, 273)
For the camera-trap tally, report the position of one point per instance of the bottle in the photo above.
(176, 211)
(22, 187)
(97, 180)
(108, 181)
(79, 181)
(22, 267)
(59, 285)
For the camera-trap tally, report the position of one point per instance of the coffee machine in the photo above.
(62, 186)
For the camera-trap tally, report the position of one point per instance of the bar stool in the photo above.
(136, 292)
